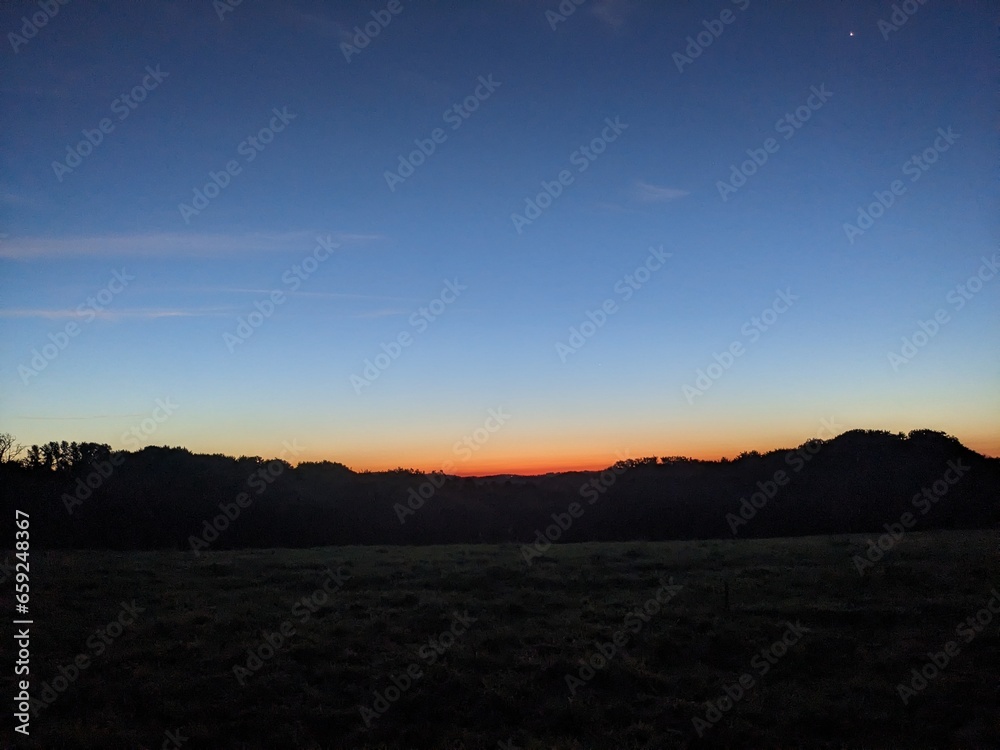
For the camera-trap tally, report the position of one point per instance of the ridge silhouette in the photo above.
(87, 496)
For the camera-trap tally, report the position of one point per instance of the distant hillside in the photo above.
(87, 496)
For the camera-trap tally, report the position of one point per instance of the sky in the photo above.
(498, 237)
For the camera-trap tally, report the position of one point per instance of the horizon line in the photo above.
(528, 469)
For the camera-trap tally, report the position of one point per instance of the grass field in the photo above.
(470, 647)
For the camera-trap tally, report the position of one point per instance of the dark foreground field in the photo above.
(470, 647)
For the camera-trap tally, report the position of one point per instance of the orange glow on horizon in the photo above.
(566, 461)
(541, 450)
(521, 465)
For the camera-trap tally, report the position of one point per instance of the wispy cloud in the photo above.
(649, 193)
(612, 13)
(357, 236)
(91, 313)
(387, 312)
(318, 295)
(171, 244)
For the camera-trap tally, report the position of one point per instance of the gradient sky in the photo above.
(164, 335)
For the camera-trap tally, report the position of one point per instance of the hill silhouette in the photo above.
(863, 481)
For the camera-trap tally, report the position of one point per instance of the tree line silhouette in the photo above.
(87, 495)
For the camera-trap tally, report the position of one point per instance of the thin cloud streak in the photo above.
(320, 295)
(167, 244)
(385, 313)
(612, 13)
(650, 193)
(89, 312)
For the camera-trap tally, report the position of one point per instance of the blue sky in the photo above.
(210, 83)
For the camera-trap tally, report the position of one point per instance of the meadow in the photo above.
(747, 643)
